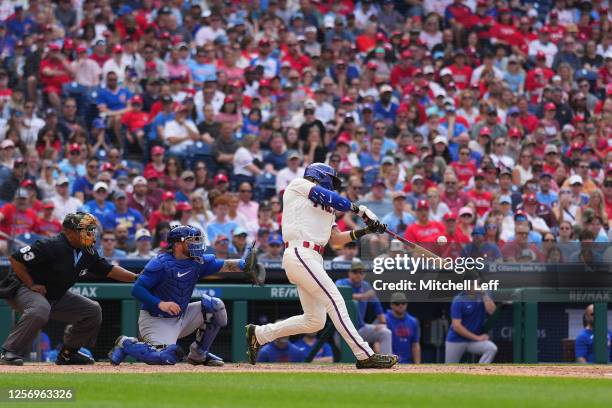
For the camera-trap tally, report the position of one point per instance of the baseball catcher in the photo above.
(309, 206)
(165, 288)
(38, 287)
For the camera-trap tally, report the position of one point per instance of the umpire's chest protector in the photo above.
(178, 281)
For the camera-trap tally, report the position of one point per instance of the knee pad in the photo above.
(214, 311)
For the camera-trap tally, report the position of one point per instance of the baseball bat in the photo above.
(415, 248)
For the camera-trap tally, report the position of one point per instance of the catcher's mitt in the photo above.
(253, 269)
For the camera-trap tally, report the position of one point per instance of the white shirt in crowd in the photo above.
(175, 129)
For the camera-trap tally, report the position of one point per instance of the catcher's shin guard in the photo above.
(378, 361)
(153, 355)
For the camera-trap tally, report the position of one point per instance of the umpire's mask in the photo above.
(86, 225)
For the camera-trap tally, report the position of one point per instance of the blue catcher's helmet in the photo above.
(194, 238)
(324, 175)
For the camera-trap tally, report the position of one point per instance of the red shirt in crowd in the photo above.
(461, 76)
(53, 83)
(464, 172)
(135, 120)
(482, 200)
(18, 222)
(429, 232)
(49, 228)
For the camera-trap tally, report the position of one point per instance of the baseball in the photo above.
(442, 239)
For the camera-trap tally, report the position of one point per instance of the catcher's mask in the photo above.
(86, 225)
(190, 235)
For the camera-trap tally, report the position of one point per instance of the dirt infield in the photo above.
(582, 371)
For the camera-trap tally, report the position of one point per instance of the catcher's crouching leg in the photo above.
(215, 317)
(149, 354)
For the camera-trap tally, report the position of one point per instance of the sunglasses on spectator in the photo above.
(243, 190)
(399, 303)
(108, 239)
(549, 240)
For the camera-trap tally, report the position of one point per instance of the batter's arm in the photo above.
(339, 238)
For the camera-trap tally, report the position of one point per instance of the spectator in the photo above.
(469, 311)
(404, 329)
(123, 215)
(281, 350)
(423, 230)
(585, 350)
(143, 245)
(220, 224)
(10, 186)
(186, 186)
(365, 297)
(307, 343)
(48, 224)
(166, 212)
(108, 248)
(17, 218)
(246, 205)
(289, 173)
(112, 101)
(398, 219)
(100, 206)
(64, 203)
(274, 250)
(82, 187)
(239, 242)
(221, 246)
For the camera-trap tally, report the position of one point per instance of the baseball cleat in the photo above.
(252, 345)
(211, 360)
(378, 361)
(72, 356)
(117, 355)
(10, 358)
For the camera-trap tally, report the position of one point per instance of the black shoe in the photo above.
(71, 356)
(10, 358)
(211, 360)
(378, 361)
(252, 345)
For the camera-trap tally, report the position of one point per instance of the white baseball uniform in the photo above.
(305, 221)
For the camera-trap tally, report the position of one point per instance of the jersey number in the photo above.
(27, 254)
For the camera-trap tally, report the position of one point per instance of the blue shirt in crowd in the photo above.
(471, 310)
(405, 332)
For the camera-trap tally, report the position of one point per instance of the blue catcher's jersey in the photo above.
(173, 280)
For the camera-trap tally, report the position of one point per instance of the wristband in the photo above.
(356, 234)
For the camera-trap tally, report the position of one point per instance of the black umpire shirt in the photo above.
(55, 264)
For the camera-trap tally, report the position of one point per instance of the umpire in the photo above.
(38, 287)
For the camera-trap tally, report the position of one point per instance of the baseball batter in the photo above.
(308, 216)
(165, 288)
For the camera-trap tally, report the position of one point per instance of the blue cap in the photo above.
(123, 10)
(275, 238)
(513, 110)
(478, 231)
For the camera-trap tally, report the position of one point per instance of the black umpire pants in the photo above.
(83, 314)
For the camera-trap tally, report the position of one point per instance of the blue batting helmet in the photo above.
(194, 238)
(324, 175)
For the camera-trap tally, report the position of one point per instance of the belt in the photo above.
(307, 244)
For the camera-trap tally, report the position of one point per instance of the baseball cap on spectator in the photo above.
(293, 154)
(74, 147)
(107, 167)
(505, 199)
(465, 210)
(379, 183)
(540, 54)
(27, 183)
(385, 88)
(485, 131)
(120, 195)
(139, 181)
(513, 111)
(422, 205)
(545, 174)
(478, 230)
(450, 216)
(575, 179)
(100, 185)
(221, 239)
(479, 174)
(440, 139)
(136, 99)
(346, 100)
(143, 234)
(183, 206)
(155, 150)
(48, 204)
(118, 48)
(530, 199)
(410, 149)
(514, 132)
(240, 231)
(550, 149)
(220, 178)
(357, 265)
(81, 49)
(504, 171)
(398, 194)
(550, 106)
(187, 174)
(520, 216)
(399, 297)
(166, 99)
(21, 193)
(61, 180)
(54, 47)
(387, 160)
(416, 178)
(275, 239)
(446, 71)
(7, 143)
(168, 195)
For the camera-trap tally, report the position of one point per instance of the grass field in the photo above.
(313, 389)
